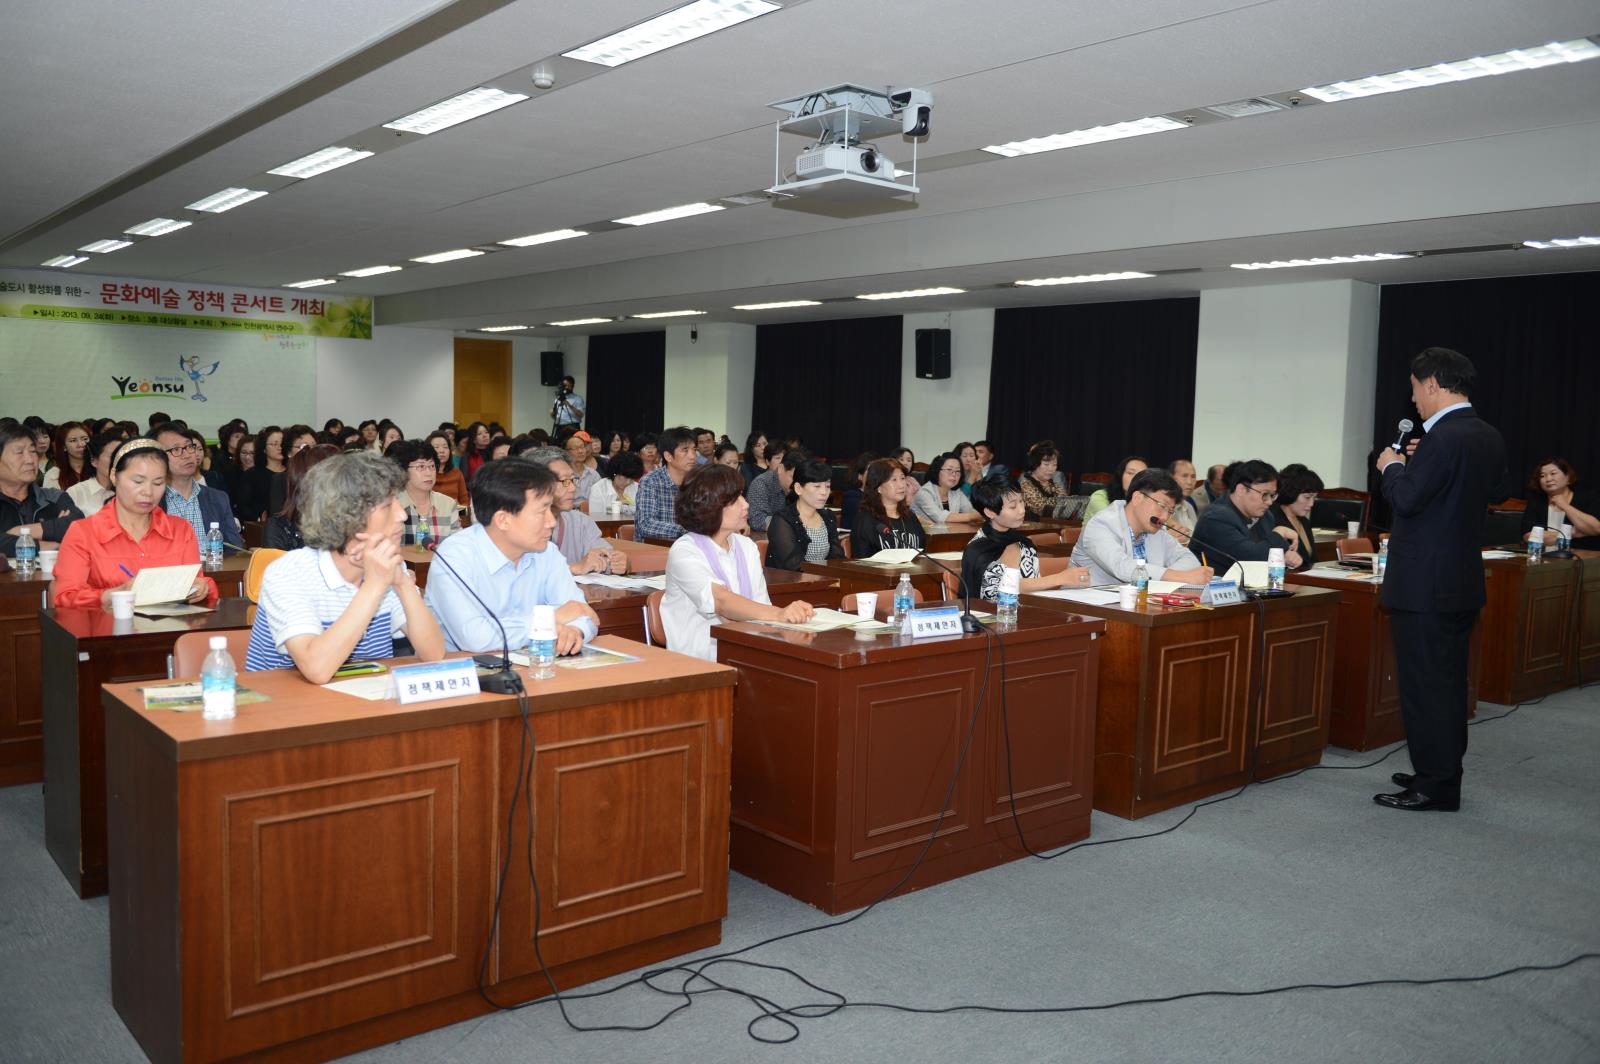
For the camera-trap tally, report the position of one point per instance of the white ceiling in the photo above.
(1494, 161)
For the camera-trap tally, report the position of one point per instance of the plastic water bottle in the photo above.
(218, 681)
(542, 642)
(214, 546)
(27, 554)
(1564, 537)
(1275, 565)
(1536, 544)
(1006, 601)
(1141, 579)
(1381, 566)
(903, 600)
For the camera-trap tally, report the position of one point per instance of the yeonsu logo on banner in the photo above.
(194, 372)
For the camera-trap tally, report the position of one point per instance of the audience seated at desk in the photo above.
(1133, 528)
(754, 462)
(508, 558)
(282, 530)
(884, 521)
(1235, 526)
(1187, 515)
(260, 480)
(768, 492)
(1553, 499)
(101, 554)
(449, 480)
(584, 465)
(1214, 488)
(727, 454)
(971, 468)
(803, 531)
(906, 457)
(987, 466)
(94, 492)
(186, 497)
(714, 574)
(44, 512)
(658, 491)
(615, 494)
(347, 593)
(998, 546)
(1122, 475)
(941, 501)
(430, 515)
(850, 501)
(1040, 492)
(296, 438)
(576, 534)
(69, 457)
(1297, 494)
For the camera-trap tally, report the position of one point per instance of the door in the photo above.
(483, 381)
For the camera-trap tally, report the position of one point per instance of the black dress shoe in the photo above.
(1402, 779)
(1416, 802)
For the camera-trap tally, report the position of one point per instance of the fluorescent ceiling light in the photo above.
(1543, 245)
(1479, 66)
(448, 256)
(158, 227)
(913, 292)
(542, 238)
(1332, 260)
(320, 162)
(65, 261)
(226, 200)
(103, 247)
(579, 321)
(454, 111)
(315, 282)
(1085, 278)
(779, 305)
(688, 210)
(671, 314)
(1137, 128)
(676, 27)
(501, 328)
(370, 271)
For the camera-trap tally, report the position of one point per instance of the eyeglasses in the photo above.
(423, 467)
(180, 451)
(1163, 507)
(1266, 496)
(569, 479)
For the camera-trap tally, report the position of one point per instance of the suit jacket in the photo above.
(1222, 528)
(1440, 498)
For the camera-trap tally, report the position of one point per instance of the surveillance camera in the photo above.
(543, 79)
(916, 110)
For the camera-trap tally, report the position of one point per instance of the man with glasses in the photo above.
(1232, 526)
(188, 498)
(576, 535)
(1133, 528)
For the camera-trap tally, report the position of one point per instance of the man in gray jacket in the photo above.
(1131, 528)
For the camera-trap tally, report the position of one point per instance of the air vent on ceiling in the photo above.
(1245, 108)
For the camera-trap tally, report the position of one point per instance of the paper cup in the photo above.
(1128, 596)
(122, 605)
(1353, 529)
(866, 604)
(47, 561)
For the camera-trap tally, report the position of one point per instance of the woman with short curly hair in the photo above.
(346, 594)
(713, 573)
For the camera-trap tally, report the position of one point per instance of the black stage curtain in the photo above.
(627, 382)
(1533, 341)
(1102, 380)
(835, 384)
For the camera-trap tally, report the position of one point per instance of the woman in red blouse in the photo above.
(130, 533)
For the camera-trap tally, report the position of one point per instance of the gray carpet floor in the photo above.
(1301, 880)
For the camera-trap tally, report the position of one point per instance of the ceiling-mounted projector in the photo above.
(837, 160)
(839, 163)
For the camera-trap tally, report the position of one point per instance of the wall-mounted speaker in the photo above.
(933, 354)
(552, 367)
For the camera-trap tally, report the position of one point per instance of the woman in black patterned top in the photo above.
(885, 520)
(998, 546)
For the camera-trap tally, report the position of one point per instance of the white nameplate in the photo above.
(1221, 593)
(435, 679)
(932, 621)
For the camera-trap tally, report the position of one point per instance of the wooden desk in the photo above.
(844, 746)
(609, 525)
(1177, 715)
(82, 649)
(621, 612)
(21, 721)
(318, 875)
(229, 576)
(1366, 695)
(853, 576)
(1540, 625)
(1327, 545)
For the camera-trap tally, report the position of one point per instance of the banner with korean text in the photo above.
(40, 295)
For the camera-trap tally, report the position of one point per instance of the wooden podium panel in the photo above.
(320, 874)
(21, 715)
(845, 746)
(1537, 616)
(1176, 710)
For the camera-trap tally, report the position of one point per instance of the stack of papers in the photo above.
(163, 583)
(1088, 596)
(187, 697)
(372, 688)
(893, 556)
(1499, 554)
(1333, 572)
(825, 620)
(658, 582)
(945, 555)
(591, 657)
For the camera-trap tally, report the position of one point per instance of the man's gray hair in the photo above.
(337, 496)
(543, 456)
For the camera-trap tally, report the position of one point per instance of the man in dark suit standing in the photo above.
(1434, 584)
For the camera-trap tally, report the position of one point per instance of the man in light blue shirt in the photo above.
(508, 559)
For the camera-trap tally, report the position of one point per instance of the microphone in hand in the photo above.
(1404, 427)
